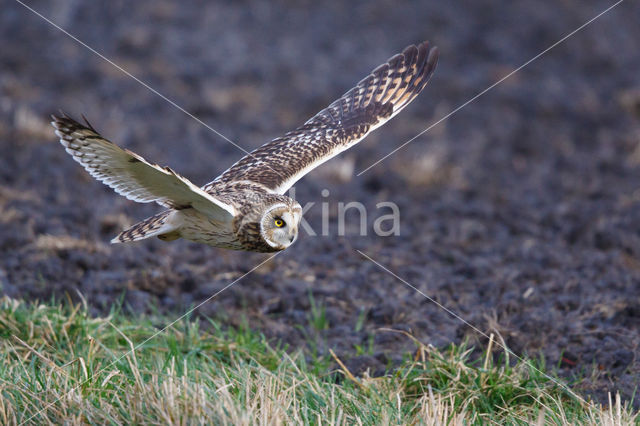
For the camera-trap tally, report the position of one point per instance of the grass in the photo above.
(58, 364)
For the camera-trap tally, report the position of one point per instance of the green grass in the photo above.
(58, 364)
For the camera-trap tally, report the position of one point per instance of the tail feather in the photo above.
(156, 225)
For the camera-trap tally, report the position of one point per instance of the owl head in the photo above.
(268, 222)
(279, 224)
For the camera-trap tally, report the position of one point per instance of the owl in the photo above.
(245, 208)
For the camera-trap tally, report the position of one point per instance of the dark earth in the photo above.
(520, 212)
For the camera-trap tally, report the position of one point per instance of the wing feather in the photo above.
(131, 175)
(278, 164)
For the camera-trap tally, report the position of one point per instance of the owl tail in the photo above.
(157, 225)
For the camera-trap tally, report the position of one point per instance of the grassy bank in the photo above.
(58, 363)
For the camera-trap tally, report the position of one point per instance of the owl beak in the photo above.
(292, 237)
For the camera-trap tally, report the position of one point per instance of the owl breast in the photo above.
(250, 236)
(199, 228)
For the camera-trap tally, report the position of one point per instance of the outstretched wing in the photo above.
(131, 175)
(278, 164)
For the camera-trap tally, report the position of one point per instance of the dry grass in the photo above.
(57, 364)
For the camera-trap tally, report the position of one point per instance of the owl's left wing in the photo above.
(278, 164)
(132, 176)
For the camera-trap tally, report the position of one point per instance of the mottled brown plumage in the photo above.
(376, 99)
(146, 228)
(244, 208)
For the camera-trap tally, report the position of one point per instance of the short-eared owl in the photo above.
(245, 207)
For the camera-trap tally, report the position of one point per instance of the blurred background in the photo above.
(520, 212)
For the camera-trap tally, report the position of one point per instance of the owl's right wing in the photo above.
(278, 164)
(131, 175)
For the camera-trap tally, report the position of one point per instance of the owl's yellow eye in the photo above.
(279, 223)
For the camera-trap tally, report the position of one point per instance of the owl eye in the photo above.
(279, 223)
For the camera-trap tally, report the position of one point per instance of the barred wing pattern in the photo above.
(279, 164)
(131, 175)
